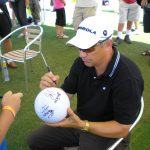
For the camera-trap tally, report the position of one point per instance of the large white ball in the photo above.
(51, 105)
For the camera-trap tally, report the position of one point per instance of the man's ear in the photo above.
(108, 45)
(109, 42)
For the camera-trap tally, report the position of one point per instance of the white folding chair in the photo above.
(132, 126)
(33, 39)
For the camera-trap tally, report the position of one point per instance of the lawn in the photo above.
(60, 57)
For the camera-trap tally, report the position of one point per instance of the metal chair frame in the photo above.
(25, 53)
(132, 126)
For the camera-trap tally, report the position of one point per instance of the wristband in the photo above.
(86, 127)
(10, 109)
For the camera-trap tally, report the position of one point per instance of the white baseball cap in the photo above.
(92, 30)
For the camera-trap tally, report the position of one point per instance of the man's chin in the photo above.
(87, 64)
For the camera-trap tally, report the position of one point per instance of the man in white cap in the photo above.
(108, 87)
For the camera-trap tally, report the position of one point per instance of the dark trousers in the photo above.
(20, 11)
(5, 22)
(49, 138)
(35, 10)
(146, 19)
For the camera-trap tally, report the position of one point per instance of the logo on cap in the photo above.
(87, 29)
(105, 32)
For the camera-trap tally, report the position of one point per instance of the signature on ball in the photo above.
(53, 96)
(47, 112)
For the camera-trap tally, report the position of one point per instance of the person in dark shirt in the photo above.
(108, 85)
(5, 29)
(19, 8)
(145, 4)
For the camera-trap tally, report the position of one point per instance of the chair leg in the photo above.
(124, 144)
(26, 76)
(129, 146)
(31, 65)
(44, 61)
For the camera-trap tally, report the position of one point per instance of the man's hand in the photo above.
(48, 80)
(72, 121)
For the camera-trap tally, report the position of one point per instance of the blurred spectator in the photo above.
(19, 7)
(59, 6)
(14, 20)
(29, 15)
(35, 10)
(128, 10)
(5, 29)
(145, 4)
(135, 26)
(146, 18)
(83, 9)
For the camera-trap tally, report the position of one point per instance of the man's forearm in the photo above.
(110, 129)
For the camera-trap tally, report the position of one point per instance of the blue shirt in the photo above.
(3, 1)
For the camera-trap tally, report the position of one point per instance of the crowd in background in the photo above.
(31, 11)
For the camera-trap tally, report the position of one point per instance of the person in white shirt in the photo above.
(83, 9)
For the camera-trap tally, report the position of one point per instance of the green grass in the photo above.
(60, 57)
